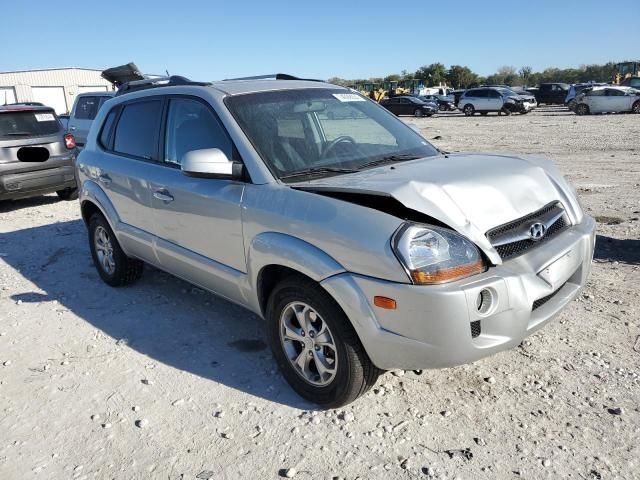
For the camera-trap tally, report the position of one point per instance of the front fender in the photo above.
(271, 248)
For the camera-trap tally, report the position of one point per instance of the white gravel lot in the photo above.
(162, 380)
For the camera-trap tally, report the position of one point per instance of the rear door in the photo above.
(616, 100)
(129, 136)
(197, 220)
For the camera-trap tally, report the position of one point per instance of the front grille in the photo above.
(512, 239)
(541, 301)
(475, 329)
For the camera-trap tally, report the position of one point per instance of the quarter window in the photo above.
(106, 128)
(192, 126)
(137, 130)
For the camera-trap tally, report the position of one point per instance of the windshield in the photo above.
(506, 92)
(28, 123)
(298, 130)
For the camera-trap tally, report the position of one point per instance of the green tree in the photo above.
(433, 74)
(459, 76)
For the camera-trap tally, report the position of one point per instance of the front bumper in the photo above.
(20, 184)
(437, 326)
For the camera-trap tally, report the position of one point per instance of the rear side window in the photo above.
(87, 108)
(28, 123)
(137, 130)
(192, 126)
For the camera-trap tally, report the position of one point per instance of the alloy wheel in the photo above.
(104, 250)
(308, 344)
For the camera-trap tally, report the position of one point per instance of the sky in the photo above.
(210, 40)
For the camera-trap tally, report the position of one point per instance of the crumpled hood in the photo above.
(472, 192)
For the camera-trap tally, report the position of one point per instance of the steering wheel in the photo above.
(332, 144)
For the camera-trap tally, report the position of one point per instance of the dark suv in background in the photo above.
(36, 157)
(552, 93)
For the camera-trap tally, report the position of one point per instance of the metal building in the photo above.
(55, 87)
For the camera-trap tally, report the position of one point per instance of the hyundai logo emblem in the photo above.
(537, 231)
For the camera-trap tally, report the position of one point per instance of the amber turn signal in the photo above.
(384, 302)
(447, 274)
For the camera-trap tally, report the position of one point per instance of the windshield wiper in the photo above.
(389, 159)
(317, 170)
(22, 134)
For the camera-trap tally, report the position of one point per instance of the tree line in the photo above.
(460, 76)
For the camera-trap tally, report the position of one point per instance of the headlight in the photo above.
(435, 255)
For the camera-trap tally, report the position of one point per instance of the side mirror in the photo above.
(210, 163)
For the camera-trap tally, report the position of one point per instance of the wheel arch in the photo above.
(272, 256)
(94, 200)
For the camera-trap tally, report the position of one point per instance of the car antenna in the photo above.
(167, 71)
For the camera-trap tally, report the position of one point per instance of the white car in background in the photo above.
(610, 99)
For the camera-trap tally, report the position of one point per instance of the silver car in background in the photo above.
(84, 111)
(609, 99)
(363, 246)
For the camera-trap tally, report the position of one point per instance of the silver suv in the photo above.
(363, 246)
(495, 99)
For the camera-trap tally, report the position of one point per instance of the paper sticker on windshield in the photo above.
(44, 117)
(348, 97)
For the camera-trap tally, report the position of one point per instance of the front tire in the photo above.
(582, 109)
(68, 194)
(417, 113)
(113, 265)
(468, 110)
(636, 107)
(315, 345)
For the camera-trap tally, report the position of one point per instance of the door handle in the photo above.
(163, 195)
(72, 128)
(104, 179)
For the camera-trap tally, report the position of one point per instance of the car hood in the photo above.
(471, 192)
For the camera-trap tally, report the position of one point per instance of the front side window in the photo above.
(192, 126)
(87, 108)
(137, 130)
(292, 131)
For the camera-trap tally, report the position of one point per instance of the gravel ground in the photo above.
(163, 380)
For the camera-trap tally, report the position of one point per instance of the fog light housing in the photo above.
(485, 301)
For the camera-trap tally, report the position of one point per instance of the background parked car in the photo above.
(490, 99)
(85, 108)
(64, 121)
(36, 156)
(608, 99)
(574, 90)
(552, 93)
(404, 105)
(444, 103)
(456, 96)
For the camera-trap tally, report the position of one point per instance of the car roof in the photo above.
(97, 93)
(240, 86)
(21, 107)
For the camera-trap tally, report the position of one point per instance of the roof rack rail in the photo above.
(274, 76)
(171, 81)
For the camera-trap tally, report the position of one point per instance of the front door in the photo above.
(198, 221)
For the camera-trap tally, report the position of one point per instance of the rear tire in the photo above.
(68, 194)
(469, 110)
(582, 109)
(113, 265)
(352, 374)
